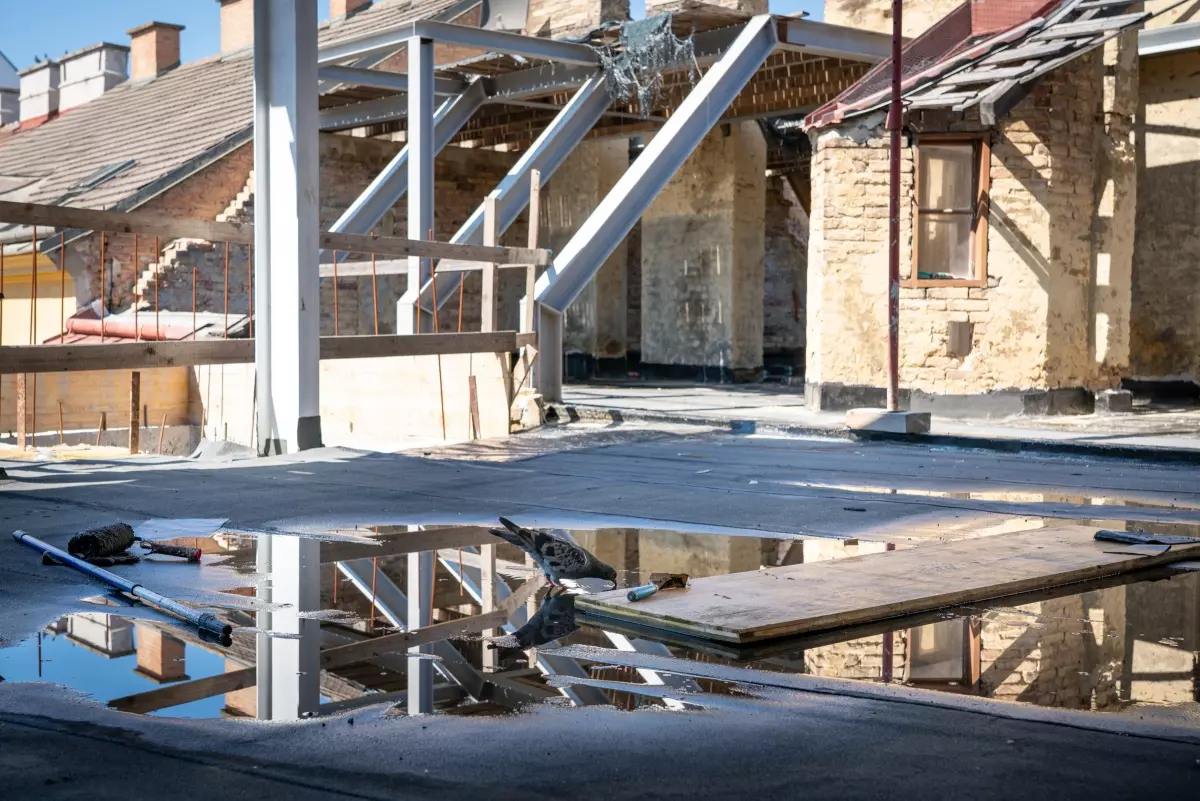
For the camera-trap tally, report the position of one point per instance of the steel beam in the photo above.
(607, 226)
(392, 603)
(447, 33)
(550, 78)
(392, 182)
(385, 79)
(836, 41)
(368, 112)
(549, 665)
(546, 154)
(422, 150)
(420, 615)
(287, 344)
(1169, 39)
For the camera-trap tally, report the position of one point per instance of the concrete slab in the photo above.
(891, 422)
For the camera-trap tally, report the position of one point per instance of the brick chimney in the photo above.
(346, 8)
(562, 17)
(154, 49)
(237, 25)
(39, 91)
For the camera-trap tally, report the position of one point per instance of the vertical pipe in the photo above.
(461, 285)
(137, 332)
(22, 409)
(33, 412)
(374, 295)
(895, 123)
(888, 643)
(194, 276)
(226, 290)
(61, 437)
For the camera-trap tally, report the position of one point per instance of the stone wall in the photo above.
(1166, 270)
(702, 259)
(560, 17)
(785, 272)
(1031, 327)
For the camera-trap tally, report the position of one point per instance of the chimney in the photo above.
(88, 73)
(39, 91)
(154, 49)
(346, 8)
(10, 106)
(237, 25)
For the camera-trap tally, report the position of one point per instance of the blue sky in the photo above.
(55, 27)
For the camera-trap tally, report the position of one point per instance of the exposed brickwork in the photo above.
(876, 15)
(1166, 273)
(154, 48)
(785, 270)
(1031, 324)
(237, 25)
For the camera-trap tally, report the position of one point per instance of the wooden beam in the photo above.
(186, 692)
(168, 227)
(144, 355)
(135, 408)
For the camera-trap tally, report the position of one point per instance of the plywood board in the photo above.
(786, 601)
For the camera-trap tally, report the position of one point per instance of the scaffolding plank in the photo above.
(786, 601)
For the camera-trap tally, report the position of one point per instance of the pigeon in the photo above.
(555, 620)
(563, 561)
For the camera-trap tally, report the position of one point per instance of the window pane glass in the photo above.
(938, 651)
(947, 176)
(944, 245)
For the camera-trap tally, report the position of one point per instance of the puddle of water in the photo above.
(1124, 645)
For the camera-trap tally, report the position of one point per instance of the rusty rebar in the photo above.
(61, 438)
(461, 286)
(156, 282)
(433, 281)
(335, 294)
(227, 290)
(33, 271)
(103, 278)
(374, 295)
(137, 332)
(62, 287)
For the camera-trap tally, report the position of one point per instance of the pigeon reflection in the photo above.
(554, 620)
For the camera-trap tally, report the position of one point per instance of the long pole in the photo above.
(894, 124)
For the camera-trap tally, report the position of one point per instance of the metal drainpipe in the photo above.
(895, 123)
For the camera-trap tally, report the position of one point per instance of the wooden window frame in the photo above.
(979, 228)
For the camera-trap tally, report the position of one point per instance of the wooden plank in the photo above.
(22, 407)
(167, 226)
(144, 355)
(786, 601)
(135, 411)
(490, 309)
(186, 692)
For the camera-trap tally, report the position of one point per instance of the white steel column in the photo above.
(420, 615)
(287, 334)
(421, 149)
(287, 347)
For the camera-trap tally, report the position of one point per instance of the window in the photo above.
(950, 216)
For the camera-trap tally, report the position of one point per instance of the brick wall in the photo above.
(348, 165)
(876, 15)
(1031, 322)
(202, 196)
(785, 270)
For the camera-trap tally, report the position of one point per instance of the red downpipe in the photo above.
(895, 124)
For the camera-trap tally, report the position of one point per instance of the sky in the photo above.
(55, 27)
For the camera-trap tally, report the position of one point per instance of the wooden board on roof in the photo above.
(787, 601)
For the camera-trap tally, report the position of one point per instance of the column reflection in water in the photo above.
(289, 664)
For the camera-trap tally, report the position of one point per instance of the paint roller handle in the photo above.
(642, 593)
(182, 551)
